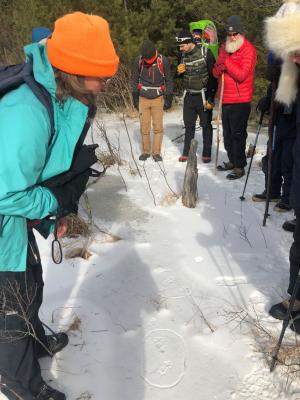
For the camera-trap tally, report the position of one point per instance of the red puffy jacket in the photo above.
(238, 69)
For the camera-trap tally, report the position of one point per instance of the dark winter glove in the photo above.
(219, 69)
(135, 100)
(69, 194)
(82, 161)
(263, 104)
(85, 158)
(168, 101)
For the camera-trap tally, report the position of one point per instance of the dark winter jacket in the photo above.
(198, 75)
(238, 69)
(295, 189)
(150, 81)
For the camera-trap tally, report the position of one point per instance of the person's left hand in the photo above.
(62, 227)
(168, 101)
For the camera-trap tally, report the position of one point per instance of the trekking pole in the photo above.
(272, 131)
(219, 115)
(253, 152)
(285, 323)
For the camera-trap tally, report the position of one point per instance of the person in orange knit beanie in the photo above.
(71, 68)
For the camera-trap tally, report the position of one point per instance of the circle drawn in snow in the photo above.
(165, 358)
(170, 288)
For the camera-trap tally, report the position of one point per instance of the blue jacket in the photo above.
(27, 158)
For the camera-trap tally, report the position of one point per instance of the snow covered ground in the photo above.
(158, 314)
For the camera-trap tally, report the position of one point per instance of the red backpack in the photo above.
(160, 66)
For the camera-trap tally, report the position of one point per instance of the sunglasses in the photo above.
(230, 34)
(183, 39)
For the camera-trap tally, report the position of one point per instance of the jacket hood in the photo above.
(42, 69)
(282, 34)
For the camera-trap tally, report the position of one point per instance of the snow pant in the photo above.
(295, 258)
(192, 107)
(234, 122)
(21, 295)
(151, 111)
(282, 158)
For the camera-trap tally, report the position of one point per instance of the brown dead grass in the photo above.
(169, 199)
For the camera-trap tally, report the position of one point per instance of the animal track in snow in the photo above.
(165, 358)
(231, 280)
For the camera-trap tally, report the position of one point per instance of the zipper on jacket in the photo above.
(33, 253)
(237, 88)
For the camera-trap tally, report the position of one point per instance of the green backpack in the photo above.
(209, 34)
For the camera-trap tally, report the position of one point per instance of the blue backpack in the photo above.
(12, 76)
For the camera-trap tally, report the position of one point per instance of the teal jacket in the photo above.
(27, 158)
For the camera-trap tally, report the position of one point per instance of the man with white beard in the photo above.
(236, 60)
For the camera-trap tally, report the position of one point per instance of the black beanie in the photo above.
(148, 49)
(184, 36)
(234, 24)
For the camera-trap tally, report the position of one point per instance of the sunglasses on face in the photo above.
(230, 34)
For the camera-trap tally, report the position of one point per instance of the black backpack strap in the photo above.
(41, 93)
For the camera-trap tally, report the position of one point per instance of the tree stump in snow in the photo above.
(190, 191)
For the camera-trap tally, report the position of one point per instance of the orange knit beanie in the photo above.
(81, 45)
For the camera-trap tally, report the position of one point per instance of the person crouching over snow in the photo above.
(72, 66)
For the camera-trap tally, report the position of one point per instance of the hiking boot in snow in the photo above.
(206, 159)
(157, 157)
(278, 311)
(48, 393)
(144, 156)
(237, 173)
(263, 197)
(227, 166)
(295, 325)
(290, 225)
(282, 207)
(183, 158)
(54, 343)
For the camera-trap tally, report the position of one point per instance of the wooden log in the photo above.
(190, 190)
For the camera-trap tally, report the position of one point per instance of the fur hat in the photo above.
(234, 24)
(282, 35)
(288, 7)
(148, 49)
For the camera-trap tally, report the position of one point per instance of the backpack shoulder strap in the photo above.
(43, 96)
(12, 76)
(160, 65)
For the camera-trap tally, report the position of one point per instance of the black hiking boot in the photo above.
(54, 344)
(278, 311)
(227, 166)
(295, 325)
(157, 157)
(48, 393)
(144, 156)
(282, 207)
(290, 225)
(263, 197)
(237, 173)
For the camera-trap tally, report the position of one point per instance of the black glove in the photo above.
(68, 195)
(135, 100)
(82, 161)
(85, 158)
(263, 104)
(168, 101)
